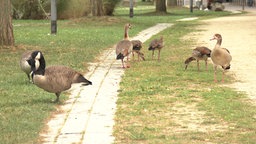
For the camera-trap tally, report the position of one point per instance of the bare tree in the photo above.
(161, 6)
(6, 29)
(97, 7)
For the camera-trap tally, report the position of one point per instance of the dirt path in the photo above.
(239, 36)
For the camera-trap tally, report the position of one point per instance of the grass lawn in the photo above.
(150, 91)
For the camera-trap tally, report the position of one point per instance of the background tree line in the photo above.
(40, 9)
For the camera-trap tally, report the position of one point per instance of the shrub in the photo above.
(109, 6)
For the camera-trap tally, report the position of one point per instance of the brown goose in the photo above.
(156, 44)
(53, 79)
(220, 56)
(124, 47)
(137, 45)
(24, 65)
(199, 53)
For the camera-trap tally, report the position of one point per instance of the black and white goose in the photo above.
(53, 79)
(24, 65)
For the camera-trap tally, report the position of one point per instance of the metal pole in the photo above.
(131, 8)
(53, 17)
(191, 6)
(243, 1)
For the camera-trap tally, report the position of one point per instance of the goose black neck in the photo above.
(41, 69)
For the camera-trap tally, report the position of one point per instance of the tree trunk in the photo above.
(97, 7)
(6, 29)
(161, 6)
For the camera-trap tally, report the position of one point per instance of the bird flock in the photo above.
(220, 56)
(58, 78)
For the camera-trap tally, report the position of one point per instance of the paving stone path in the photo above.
(88, 116)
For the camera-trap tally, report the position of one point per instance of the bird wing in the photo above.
(124, 47)
(226, 50)
(137, 44)
(154, 43)
(203, 50)
(59, 75)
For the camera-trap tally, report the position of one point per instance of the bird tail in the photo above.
(83, 80)
(227, 67)
(119, 56)
(188, 60)
(150, 48)
(209, 54)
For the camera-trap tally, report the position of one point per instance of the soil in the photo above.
(238, 36)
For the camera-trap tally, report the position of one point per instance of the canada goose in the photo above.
(124, 47)
(199, 53)
(220, 56)
(137, 45)
(53, 79)
(24, 65)
(156, 44)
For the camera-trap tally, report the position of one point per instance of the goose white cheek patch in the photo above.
(37, 64)
(38, 56)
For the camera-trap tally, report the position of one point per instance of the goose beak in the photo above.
(212, 38)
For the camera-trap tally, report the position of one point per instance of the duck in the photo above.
(24, 65)
(137, 46)
(54, 79)
(220, 56)
(199, 53)
(156, 44)
(124, 47)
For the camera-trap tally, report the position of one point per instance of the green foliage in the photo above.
(73, 8)
(109, 6)
(30, 9)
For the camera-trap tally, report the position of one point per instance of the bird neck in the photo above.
(40, 70)
(126, 35)
(218, 44)
(219, 41)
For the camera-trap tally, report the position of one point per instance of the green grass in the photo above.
(151, 90)
(148, 89)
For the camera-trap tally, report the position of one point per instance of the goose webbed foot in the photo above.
(57, 98)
